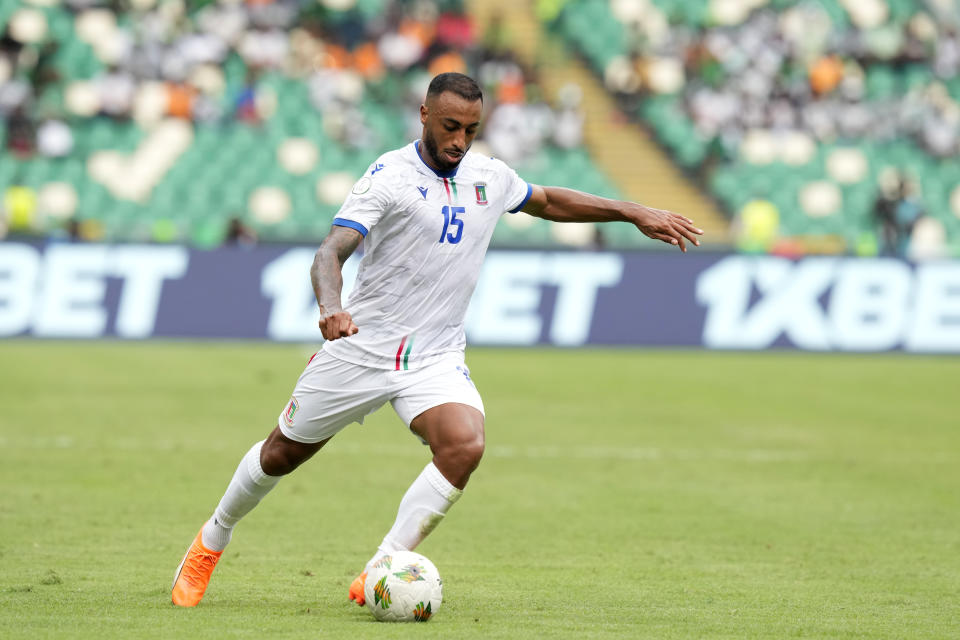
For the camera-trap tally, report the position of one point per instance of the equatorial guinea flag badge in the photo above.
(481, 189)
(291, 411)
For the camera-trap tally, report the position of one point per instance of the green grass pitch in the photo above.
(623, 494)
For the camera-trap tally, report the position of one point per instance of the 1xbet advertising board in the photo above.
(523, 298)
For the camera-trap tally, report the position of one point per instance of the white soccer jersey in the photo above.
(425, 236)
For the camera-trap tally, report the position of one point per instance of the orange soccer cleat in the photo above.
(356, 589)
(193, 574)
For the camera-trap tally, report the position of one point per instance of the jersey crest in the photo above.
(481, 190)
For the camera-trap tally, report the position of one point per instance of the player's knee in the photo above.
(279, 457)
(473, 452)
(458, 458)
(276, 462)
(466, 454)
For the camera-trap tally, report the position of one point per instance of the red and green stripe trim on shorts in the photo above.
(403, 356)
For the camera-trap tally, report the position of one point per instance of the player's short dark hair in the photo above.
(464, 86)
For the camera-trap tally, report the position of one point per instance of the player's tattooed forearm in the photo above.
(342, 242)
(325, 274)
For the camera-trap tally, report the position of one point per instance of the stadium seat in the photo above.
(213, 179)
(715, 158)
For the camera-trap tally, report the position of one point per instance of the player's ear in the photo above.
(423, 114)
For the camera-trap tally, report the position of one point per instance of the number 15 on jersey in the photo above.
(450, 219)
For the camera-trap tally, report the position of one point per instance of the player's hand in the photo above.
(337, 325)
(666, 226)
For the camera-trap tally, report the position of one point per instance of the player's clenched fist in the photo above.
(337, 325)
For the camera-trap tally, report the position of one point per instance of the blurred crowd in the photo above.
(79, 77)
(857, 72)
(820, 125)
(203, 61)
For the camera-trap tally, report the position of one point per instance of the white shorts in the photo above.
(331, 393)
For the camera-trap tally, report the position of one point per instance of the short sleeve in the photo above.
(370, 197)
(517, 189)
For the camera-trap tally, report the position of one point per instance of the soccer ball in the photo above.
(403, 587)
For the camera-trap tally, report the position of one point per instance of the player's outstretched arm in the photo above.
(326, 274)
(568, 205)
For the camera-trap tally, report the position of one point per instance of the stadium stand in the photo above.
(209, 121)
(817, 125)
(820, 125)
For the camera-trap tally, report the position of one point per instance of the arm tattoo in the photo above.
(325, 274)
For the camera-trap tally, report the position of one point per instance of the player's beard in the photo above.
(430, 144)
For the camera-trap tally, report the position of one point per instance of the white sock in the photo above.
(421, 510)
(248, 486)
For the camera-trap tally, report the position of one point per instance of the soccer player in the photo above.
(425, 213)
